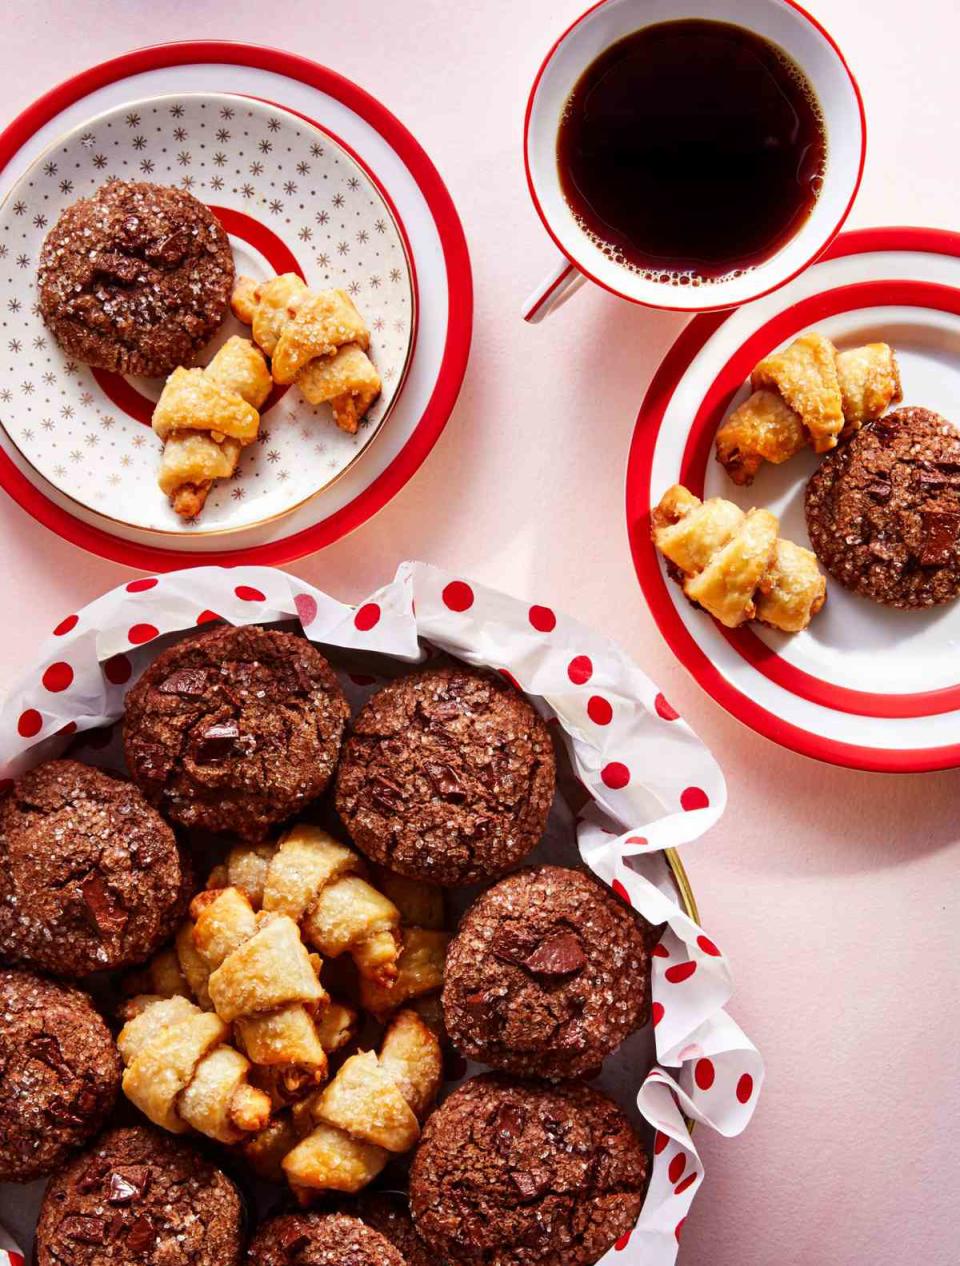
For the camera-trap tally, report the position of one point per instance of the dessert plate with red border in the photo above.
(291, 199)
(865, 685)
(439, 271)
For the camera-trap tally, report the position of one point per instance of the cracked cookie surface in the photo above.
(448, 776)
(883, 510)
(235, 730)
(389, 1213)
(140, 1198)
(59, 1073)
(91, 877)
(311, 1239)
(512, 1173)
(548, 973)
(136, 278)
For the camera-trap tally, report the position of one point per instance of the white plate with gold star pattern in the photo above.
(292, 198)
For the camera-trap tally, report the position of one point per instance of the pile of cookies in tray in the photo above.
(139, 277)
(882, 507)
(237, 962)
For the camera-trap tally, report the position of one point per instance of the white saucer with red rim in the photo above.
(435, 251)
(291, 199)
(865, 685)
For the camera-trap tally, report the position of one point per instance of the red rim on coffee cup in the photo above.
(675, 278)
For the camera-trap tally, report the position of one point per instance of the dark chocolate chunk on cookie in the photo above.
(135, 278)
(140, 1198)
(449, 776)
(59, 1074)
(883, 510)
(91, 877)
(548, 973)
(518, 1174)
(235, 730)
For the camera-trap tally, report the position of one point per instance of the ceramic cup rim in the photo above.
(796, 255)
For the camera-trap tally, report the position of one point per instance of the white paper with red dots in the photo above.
(10, 1255)
(647, 783)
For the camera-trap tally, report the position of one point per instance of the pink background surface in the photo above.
(834, 892)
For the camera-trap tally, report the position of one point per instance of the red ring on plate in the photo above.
(459, 301)
(699, 449)
(121, 392)
(647, 566)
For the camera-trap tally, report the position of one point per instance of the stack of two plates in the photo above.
(865, 685)
(307, 174)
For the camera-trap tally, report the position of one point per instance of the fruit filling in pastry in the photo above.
(315, 338)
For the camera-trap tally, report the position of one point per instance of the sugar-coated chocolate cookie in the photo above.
(448, 776)
(139, 1197)
(883, 510)
(513, 1173)
(91, 877)
(548, 973)
(389, 1213)
(313, 1239)
(59, 1073)
(136, 278)
(235, 730)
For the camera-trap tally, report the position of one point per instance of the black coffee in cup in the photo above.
(692, 151)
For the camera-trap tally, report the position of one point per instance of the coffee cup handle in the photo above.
(553, 291)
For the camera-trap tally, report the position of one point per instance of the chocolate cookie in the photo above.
(883, 510)
(59, 1074)
(140, 1198)
(547, 975)
(312, 1239)
(512, 1173)
(449, 776)
(389, 1214)
(235, 730)
(90, 876)
(135, 278)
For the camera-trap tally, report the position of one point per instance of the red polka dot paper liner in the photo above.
(10, 1255)
(635, 780)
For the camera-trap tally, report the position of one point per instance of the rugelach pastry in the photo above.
(548, 973)
(315, 338)
(313, 1239)
(735, 565)
(423, 943)
(522, 1174)
(235, 730)
(883, 511)
(91, 877)
(320, 884)
(254, 971)
(59, 1074)
(448, 776)
(810, 393)
(136, 278)
(371, 1110)
(263, 981)
(182, 1073)
(205, 417)
(140, 1198)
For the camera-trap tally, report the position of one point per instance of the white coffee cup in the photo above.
(780, 21)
